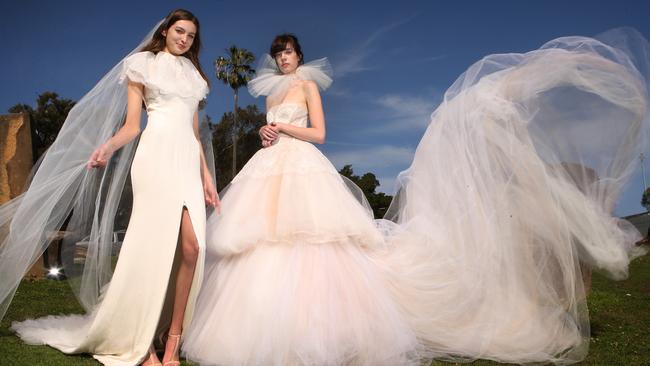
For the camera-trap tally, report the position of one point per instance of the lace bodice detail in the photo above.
(288, 112)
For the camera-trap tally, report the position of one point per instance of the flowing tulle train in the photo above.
(510, 192)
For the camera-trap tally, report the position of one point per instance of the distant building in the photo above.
(641, 221)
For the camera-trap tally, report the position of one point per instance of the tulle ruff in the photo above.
(271, 82)
(285, 194)
(298, 304)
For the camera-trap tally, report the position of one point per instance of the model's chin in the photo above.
(288, 70)
(177, 51)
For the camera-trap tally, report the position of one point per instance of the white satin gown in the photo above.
(166, 177)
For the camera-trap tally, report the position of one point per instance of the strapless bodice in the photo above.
(288, 112)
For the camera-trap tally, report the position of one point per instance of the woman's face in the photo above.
(287, 60)
(179, 37)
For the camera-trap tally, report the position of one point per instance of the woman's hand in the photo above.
(268, 134)
(100, 156)
(211, 195)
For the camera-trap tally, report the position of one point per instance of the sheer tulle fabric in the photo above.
(510, 192)
(62, 186)
(271, 82)
(288, 281)
(288, 204)
(298, 303)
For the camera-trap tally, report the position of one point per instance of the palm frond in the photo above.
(235, 68)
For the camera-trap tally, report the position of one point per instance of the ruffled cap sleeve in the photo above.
(165, 74)
(136, 67)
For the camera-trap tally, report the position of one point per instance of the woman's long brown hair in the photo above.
(157, 42)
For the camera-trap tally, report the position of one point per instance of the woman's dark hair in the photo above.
(157, 42)
(280, 43)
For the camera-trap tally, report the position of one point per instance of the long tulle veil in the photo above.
(64, 193)
(510, 196)
(579, 105)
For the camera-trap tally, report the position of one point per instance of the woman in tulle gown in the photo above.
(511, 190)
(288, 282)
(157, 276)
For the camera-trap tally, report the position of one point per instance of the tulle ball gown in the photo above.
(293, 285)
(510, 193)
(166, 177)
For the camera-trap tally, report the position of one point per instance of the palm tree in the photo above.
(235, 70)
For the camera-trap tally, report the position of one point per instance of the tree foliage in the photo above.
(250, 119)
(235, 70)
(46, 120)
(645, 199)
(368, 183)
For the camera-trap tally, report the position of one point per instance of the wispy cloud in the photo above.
(432, 58)
(354, 63)
(338, 91)
(355, 60)
(404, 105)
(404, 111)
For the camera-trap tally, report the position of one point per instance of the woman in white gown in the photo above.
(292, 284)
(157, 276)
(510, 190)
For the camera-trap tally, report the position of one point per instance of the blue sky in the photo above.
(393, 60)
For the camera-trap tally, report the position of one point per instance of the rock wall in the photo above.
(16, 159)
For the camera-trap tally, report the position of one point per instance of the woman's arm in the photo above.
(268, 133)
(126, 133)
(211, 196)
(316, 132)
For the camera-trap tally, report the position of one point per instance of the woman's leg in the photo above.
(184, 276)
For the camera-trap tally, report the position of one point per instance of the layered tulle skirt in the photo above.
(289, 281)
(299, 304)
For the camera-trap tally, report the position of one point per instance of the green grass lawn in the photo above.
(619, 312)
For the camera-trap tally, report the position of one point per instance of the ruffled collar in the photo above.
(181, 60)
(270, 81)
(168, 74)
